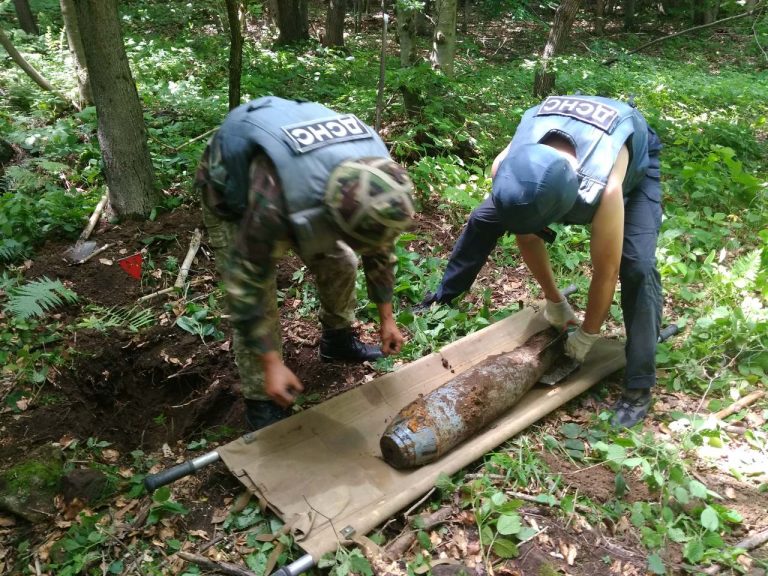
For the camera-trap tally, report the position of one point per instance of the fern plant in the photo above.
(11, 250)
(37, 297)
(103, 319)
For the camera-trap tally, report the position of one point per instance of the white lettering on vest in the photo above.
(306, 136)
(302, 136)
(595, 113)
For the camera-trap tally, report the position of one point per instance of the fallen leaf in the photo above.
(166, 533)
(105, 261)
(6, 521)
(622, 525)
(66, 441)
(167, 452)
(22, 403)
(125, 472)
(264, 537)
(219, 515)
(571, 556)
(556, 555)
(241, 502)
(110, 455)
(435, 539)
(461, 541)
(73, 508)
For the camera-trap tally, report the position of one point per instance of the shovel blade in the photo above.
(560, 372)
(79, 251)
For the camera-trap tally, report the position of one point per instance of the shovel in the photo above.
(84, 248)
(568, 366)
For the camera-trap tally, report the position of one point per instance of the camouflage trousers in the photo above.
(334, 274)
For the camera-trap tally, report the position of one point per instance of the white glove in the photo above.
(579, 344)
(559, 314)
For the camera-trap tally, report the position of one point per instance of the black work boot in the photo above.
(343, 344)
(262, 413)
(631, 408)
(429, 299)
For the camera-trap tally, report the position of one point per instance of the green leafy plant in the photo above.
(346, 561)
(80, 547)
(198, 320)
(499, 523)
(35, 298)
(162, 506)
(684, 514)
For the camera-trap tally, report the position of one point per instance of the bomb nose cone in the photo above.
(403, 448)
(397, 451)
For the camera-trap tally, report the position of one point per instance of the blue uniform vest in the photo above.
(597, 127)
(304, 140)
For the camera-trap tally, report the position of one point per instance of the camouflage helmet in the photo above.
(370, 200)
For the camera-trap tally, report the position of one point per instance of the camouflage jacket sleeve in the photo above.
(379, 268)
(253, 258)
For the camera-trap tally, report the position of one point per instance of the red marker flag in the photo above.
(132, 265)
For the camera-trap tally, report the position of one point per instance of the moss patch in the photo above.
(27, 489)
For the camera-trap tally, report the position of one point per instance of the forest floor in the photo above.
(161, 389)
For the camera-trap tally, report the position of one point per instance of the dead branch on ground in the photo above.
(221, 567)
(194, 246)
(399, 546)
(739, 404)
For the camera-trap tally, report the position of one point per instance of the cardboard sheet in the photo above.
(321, 469)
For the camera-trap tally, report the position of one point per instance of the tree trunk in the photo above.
(75, 41)
(444, 38)
(357, 15)
(292, 20)
(704, 11)
(406, 31)
(424, 23)
(544, 81)
(235, 51)
(270, 12)
(599, 17)
(27, 21)
(407, 26)
(630, 23)
(122, 133)
(7, 153)
(334, 23)
(382, 66)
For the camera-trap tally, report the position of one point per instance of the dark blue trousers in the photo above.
(640, 280)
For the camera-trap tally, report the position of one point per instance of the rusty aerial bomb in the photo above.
(434, 423)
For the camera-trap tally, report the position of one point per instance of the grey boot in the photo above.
(631, 408)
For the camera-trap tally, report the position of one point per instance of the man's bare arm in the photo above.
(606, 246)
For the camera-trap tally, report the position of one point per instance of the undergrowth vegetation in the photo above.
(709, 109)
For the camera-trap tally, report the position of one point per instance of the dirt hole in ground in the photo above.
(139, 390)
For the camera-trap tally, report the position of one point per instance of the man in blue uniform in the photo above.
(579, 160)
(282, 174)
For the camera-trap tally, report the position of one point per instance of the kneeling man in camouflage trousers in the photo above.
(282, 174)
